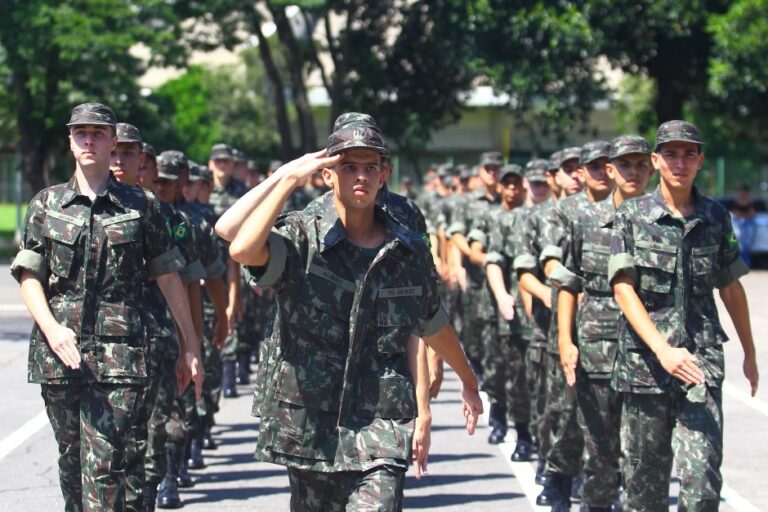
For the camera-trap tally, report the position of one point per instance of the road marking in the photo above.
(735, 500)
(21, 434)
(745, 398)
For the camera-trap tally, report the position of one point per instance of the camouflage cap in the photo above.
(206, 174)
(253, 165)
(92, 113)
(167, 167)
(355, 118)
(491, 158)
(554, 161)
(194, 172)
(510, 170)
(536, 170)
(594, 150)
(238, 156)
(355, 137)
(221, 151)
(571, 153)
(274, 165)
(465, 172)
(149, 150)
(128, 133)
(629, 144)
(678, 131)
(179, 158)
(444, 170)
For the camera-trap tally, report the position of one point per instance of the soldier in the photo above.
(87, 245)
(503, 366)
(352, 286)
(669, 251)
(148, 166)
(588, 352)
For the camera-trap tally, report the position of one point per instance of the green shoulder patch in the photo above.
(425, 236)
(181, 231)
(732, 241)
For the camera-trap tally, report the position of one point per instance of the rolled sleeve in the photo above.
(268, 275)
(456, 228)
(29, 260)
(525, 262)
(192, 272)
(493, 258)
(551, 252)
(435, 324)
(169, 261)
(215, 269)
(731, 273)
(622, 263)
(564, 277)
(477, 235)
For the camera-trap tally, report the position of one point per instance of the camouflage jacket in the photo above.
(503, 245)
(205, 238)
(92, 258)
(337, 393)
(223, 197)
(585, 256)
(675, 263)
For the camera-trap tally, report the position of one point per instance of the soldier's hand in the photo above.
(751, 373)
(547, 300)
(461, 275)
(422, 440)
(193, 363)
(681, 364)
(63, 342)
(506, 304)
(183, 376)
(220, 333)
(435, 376)
(231, 317)
(472, 406)
(305, 166)
(569, 357)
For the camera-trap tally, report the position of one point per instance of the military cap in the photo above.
(178, 157)
(444, 170)
(629, 144)
(149, 150)
(167, 166)
(221, 151)
(238, 156)
(355, 137)
(206, 174)
(253, 165)
(491, 158)
(355, 118)
(536, 170)
(406, 180)
(194, 171)
(569, 154)
(510, 169)
(275, 165)
(465, 172)
(678, 131)
(92, 113)
(447, 181)
(128, 133)
(594, 150)
(554, 161)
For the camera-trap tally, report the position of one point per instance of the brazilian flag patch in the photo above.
(732, 242)
(181, 231)
(425, 236)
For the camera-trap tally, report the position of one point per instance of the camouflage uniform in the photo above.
(91, 257)
(336, 394)
(676, 263)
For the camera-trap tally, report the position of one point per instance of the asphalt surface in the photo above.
(465, 473)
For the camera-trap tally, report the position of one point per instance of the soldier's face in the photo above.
(165, 189)
(554, 185)
(221, 167)
(540, 191)
(192, 190)
(512, 191)
(631, 173)
(92, 145)
(125, 162)
(357, 178)
(678, 163)
(147, 173)
(568, 177)
(204, 193)
(595, 175)
(489, 174)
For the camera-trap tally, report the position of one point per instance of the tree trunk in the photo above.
(671, 95)
(32, 159)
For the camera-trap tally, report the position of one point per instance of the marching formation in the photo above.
(583, 305)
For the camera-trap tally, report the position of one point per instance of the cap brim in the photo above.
(678, 140)
(340, 149)
(92, 123)
(536, 179)
(625, 153)
(163, 175)
(509, 173)
(129, 141)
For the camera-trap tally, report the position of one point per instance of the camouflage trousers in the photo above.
(536, 374)
(160, 421)
(249, 331)
(211, 381)
(653, 427)
(91, 424)
(377, 490)
(600, 409)
(504, 378)
(473, 332)
(562, 422)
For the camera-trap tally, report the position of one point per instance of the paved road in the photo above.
(466, 474)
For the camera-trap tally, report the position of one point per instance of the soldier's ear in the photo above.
(327, 174)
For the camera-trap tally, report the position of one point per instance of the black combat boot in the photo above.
(209, 443)
(150, 497)
(541, 478)
(497, 420)
(168, 493)
(545, 497)
(243, 368)
(184, 478)
(586, 508)
(561, 492)
(195, 460)
(229, 387)
(524, 447)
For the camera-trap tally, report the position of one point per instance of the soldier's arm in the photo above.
(571, 284)
(417, 361)
(249, 222)
(735, 301)
(214, 287)
(196, 307)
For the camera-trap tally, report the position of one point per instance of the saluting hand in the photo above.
(305, 166)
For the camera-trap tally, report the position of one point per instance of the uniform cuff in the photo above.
(731, 273)
(551, 252)
(525, 262)
(476, 235)
(29, 260)
(455, 228)
(192, 272)
(564, 277)
(622, 262)
(493, 258)
(171, 261)
(268, 275)
(437, 322)
(215, 269)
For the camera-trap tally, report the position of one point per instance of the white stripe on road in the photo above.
(21, 434)
(745, 398)
(736, 501)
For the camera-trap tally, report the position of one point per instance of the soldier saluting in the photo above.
(351, 287)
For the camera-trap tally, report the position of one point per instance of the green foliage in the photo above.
(634, 106)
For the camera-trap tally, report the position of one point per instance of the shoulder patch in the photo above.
(181, 231)
(732, 241)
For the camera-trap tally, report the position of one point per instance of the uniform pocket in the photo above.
(594, 266)
(386, 397)
(63, 232)
(656, 266)
(118, 320)
(124, 239)
(315, 384)
(396, 317)
(703, 269)
(121, 360)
